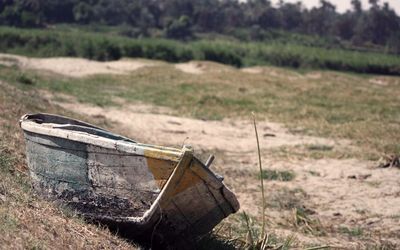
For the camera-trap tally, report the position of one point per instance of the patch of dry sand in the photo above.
(74, 67)
(226, 135)
(350, 187)
(201, 67)
(190, 67)
(314, 75)
(253, 70)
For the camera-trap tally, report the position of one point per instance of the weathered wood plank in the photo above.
(58, 165)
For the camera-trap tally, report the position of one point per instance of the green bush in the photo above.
(221, 52)
(133, 50)
(100, 46)
(179, 28)
(106, 51)
(87, 49)
(24, 79)
(161, 51)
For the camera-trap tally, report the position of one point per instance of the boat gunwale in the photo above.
(151, 151)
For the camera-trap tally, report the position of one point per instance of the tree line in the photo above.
(182, 19)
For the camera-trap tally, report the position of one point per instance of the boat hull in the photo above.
(132, 187)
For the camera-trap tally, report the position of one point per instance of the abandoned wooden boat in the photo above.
(132, 187)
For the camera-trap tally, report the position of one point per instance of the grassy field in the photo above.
(327, 104)
(362, 109)
(105, 46)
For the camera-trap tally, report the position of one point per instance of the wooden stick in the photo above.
(210, 160)
(261, 179)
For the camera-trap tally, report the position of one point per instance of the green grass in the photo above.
(320, 147)
(303, 221)
(277, 175)
(315, 151)
(108, 46)
(5, 161)
(22, 78)
(287, 199)
(353, 232)
(8, 224)
(243, 232)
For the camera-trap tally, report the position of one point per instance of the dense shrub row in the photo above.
(104, 47)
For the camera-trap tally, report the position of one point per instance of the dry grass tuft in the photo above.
(302, 220)
(389, 161)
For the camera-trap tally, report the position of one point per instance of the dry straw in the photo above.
(262, 236)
